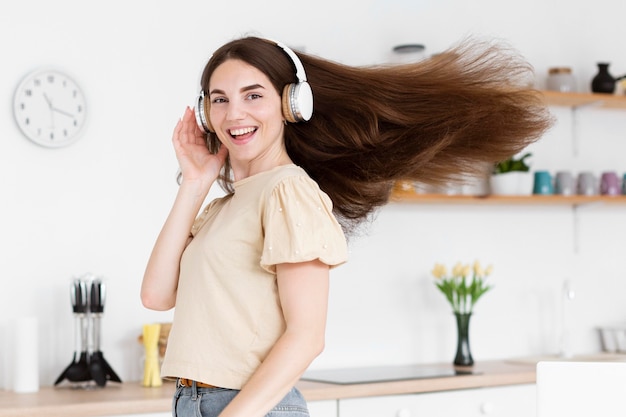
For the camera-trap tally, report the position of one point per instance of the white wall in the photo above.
(97, 205)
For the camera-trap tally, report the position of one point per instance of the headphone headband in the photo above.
(300, 74)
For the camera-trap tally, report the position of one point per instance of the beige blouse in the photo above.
(228, 314)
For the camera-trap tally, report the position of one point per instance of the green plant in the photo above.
(513, 164)
(464, 287)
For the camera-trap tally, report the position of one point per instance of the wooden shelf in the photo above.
(609, 101)
(400, 196)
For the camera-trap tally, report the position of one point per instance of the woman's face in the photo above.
(246, 114)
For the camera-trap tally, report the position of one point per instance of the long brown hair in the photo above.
(435, 121)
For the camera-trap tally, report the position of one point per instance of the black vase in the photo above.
(603, 82)
(463, 352)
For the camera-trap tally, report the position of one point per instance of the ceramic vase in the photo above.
(463, 351)
(603, 81)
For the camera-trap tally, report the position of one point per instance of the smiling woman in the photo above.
(249, 275)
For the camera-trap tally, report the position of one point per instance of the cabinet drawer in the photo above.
(509, 401)
(322, 408)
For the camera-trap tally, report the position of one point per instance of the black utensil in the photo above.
(78, 369)
(99, 368)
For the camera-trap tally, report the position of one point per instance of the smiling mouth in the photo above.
(241, 133)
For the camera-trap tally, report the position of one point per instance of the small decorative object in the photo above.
(407, 53)
(561, 79)
(603, 82)
(462, 290)
(512, 177)
(543, 184)
(151, 370)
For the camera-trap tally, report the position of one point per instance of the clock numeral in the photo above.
(27, 121)
(37, 82)
(50, 78)
(51, 135)
(65, 132)
(79, 109)
(28, 92)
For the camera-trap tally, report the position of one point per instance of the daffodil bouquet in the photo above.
(464, 287)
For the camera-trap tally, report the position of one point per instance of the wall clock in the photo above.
(49, 108)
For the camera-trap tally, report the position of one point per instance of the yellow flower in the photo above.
(457, 271)
(439, 271)
(467, 271)
(478, 269)
(462, 289)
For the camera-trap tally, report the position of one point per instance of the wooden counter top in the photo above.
(486, 374)
(131, 397)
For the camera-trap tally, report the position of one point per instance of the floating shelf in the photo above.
(607, 101)
(400, 196)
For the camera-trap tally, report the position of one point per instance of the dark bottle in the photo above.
(603, 82)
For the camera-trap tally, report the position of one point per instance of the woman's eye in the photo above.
(219, 100)
(254, 96)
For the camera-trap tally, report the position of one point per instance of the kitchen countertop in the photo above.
(131, 397)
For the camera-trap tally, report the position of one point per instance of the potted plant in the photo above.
(512, 177)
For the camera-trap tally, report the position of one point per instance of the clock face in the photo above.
(49, 108)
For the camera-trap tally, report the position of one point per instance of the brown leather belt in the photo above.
(184, 382)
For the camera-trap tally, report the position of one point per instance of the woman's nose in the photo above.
(235, 111)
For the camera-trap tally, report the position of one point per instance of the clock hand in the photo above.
(47, 100)
(63, 112)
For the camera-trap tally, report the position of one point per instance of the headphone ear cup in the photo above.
(207, 110)
(297, 102)
(288, 113)
(202, 114)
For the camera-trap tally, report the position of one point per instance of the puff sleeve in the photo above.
(299, 226)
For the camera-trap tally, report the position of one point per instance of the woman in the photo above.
(249, 275)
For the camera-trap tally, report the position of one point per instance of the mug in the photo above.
(543, 183)
(609, 183)
(564, 183)
(586, 183)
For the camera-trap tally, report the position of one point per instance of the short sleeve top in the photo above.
(228, 313)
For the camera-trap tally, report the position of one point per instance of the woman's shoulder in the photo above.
(286, 176)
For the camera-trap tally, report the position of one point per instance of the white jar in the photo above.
(561, 79)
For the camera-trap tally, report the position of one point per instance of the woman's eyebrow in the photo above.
(243, 89)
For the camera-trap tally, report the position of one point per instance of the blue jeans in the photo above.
(209, 402)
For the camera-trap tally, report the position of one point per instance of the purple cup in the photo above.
(609, 183)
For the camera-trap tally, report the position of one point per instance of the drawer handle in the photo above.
(487, 408)
(404, 412)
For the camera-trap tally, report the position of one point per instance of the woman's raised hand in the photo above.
(194, 158)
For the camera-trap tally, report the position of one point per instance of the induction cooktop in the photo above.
(382, 374)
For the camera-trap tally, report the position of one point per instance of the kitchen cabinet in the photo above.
(326, 408)
(316, 409)
(168, 414)
(509, 401)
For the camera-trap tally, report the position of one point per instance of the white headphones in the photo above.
(297, 101)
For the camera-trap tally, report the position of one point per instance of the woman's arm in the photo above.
(303, 292)
(199, 170)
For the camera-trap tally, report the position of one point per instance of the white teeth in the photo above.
(242, 131)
